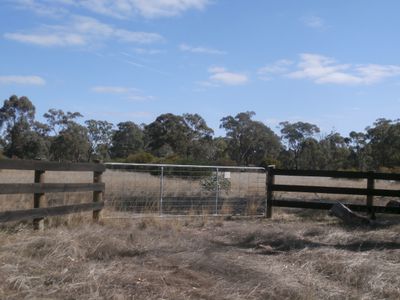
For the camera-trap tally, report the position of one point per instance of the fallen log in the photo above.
(342, 212)
(393, 203)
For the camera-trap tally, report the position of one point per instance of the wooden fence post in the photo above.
(370, 198)
(39, 200)
(97, 195)
(270, 193)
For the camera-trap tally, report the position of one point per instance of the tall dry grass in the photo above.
(297, 255)
(287, 257)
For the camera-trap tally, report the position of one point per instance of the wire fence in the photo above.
(184, 189)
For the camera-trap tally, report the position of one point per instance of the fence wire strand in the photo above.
(137, 189)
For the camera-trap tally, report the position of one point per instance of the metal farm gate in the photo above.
(136, 189)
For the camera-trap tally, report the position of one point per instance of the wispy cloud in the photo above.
(127, 93)
(314, 22)
(279, 67)
(44, 8)
(80, 31)
(322, 69)
(112, 89)
(326, 70)
(200, 50)
(148, 51)
(48, 39)
(142, 66)
(223, 76)
(117, 8)
(22, 80)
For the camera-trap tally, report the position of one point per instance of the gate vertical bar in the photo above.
(217, 192)
(161, 190)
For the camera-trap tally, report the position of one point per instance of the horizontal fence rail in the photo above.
(326, 205)
(334, 190)
(39, 188)
(338, 174)
(370, 191)
(38, 165)
(39, 213)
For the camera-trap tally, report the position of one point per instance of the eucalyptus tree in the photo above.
(249, 141)
(100, 135)
(71, 144)
(17, 124)
(294, 135)
(384, 143)
(168, 134)
(127, 139)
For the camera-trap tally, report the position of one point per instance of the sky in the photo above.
(335, 64)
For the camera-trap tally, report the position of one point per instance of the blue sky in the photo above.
(332, 63)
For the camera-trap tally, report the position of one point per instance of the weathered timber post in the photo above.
(270, 193)
(39, 200)
(370, 197)
(160, 207)
(97, 195)
(216, 191)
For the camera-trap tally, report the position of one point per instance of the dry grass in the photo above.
(297, 255)
(289, 257)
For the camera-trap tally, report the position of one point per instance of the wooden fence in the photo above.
(369, 191)
(39, 188)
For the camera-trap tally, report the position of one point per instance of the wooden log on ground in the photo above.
(348, 216)
(393, 203)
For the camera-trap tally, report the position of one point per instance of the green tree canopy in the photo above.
(127, 139)
(100, 135)
(17, 124)
(168, 131)
(294, 135)
(384, 143)
(58, 120)
(71, 144)
(249, 141)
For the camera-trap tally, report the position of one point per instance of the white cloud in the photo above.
(82, 31)
(146, 51)
(200, 50)
(278, 67)
(220, 75)
(42, 7)
(112, 89)
(322, 69)
(166, 8)
(314, 22)
(128, 93)
(373, 73)
(22, 80)
(118, 8)
(48, 39)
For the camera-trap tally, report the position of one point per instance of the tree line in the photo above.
(187, 139)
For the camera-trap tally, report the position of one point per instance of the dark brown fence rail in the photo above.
(39, 189)
(369, 191)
